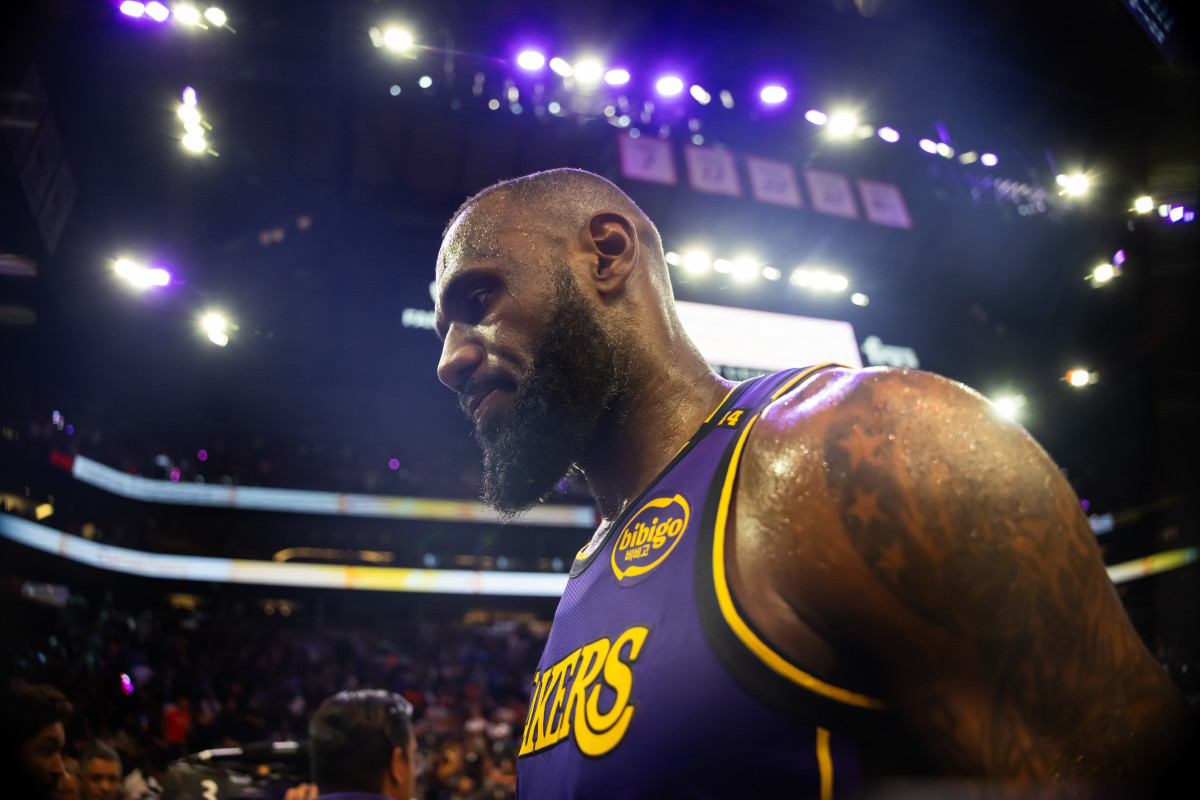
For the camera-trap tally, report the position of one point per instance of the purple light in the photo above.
(928, 145)
(393, 463)
(890, 135)
(989, 160)
(816, 117)
(669, 85)
(1176, 213)
(126, 684)
(773, 94)
(1189, 216)
(616, 77)
(158, 277)
(157, 12)
(133, 9)
(531, 60)
(202, 455)
(189, 97)
(174, 474)
(1118, 258)
(1086, 505)
(70, 430)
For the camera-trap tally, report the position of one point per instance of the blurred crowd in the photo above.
(152, 686)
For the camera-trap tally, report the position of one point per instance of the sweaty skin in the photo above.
(887, 524)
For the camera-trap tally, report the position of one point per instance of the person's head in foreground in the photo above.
(362, 741)
(32, 738)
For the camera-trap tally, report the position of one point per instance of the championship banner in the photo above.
(884, 204)
(646, 159)
(831, 193)
(773, 182)
(712, 171)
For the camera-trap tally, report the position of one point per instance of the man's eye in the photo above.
(476, 301)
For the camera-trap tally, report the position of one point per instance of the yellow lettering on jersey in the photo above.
(730, 419)
(596, 732)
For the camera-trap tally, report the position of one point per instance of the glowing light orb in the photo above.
(616, 77)
(669, 85)
(989, 160)
(588, 71)
(816, 117)
(1079, 377)
(773, 95)
(889, 135)
(929, 146)
(133, 9)
(531, 60)
(216, 16)
(842, 125)
(157, 12)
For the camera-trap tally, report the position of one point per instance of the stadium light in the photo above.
(140, 276)
(616, 77)
(669, 85)
(1009, 406)
(216, 16)
(194, 142)
(397, 39)
(773, 95)
(859, 299)
(132, 9)
(722, 265)
(696, 262)
(216, 327)
(842, 124)
(745, 269)
(1074, 185)
(929, 146)
(889, 135)
(816, 117)
(989, 160)
(561, 68)
(531, 60)
(186, 14)
(771, 273)
(1104, 273)
(944, 150)
(1080, 377)
(1143, 205)
(673, 258)
(701, 96)
(157, 12)
(588, 72)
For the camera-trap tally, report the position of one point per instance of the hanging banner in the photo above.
(831, 193)
(773, 182)
(712, 171)
(884, 204)
(646, 159)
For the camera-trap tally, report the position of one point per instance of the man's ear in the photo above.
(614, 243)
(400, 770)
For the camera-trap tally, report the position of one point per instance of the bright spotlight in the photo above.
(194, 142)
(189, 114)
(213, 322)
(702, 97)
(397, 39)
(616, 77)
(944, 150)
(771, 273)
(531, 60)
(1073, 185)
(816, 117)
(837, 283)
(1009, 406)
(187, 15)
(158, 277)
(588, 72)
(968, 157)
(424, 81)
(929, 146)
(989, 160)
(1143, 205)
(561, 67)
(1176, 213)
(157, 12)
(726, 98)
(890, 135)
(801, 277)
(220, 338)
(696, 262)
(1080, 377)
(132, 9)
(722, 265)
(842, 125)
(672, 258)
(773, 95)
(1104, 273)
(216, 16)
(669, 85)
(859, 299)
(745, 269)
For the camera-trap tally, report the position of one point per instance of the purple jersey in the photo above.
(655, 684)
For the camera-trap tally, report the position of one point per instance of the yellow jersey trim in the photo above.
(825, 764)
(725, 600)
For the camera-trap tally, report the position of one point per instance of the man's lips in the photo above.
(473, 399)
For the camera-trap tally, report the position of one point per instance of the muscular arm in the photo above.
(942, 544)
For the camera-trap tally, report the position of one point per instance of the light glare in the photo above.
(702, 97)
(531, 60)
(561, 67)
(133, 9)
(816, 117)
(859, 299)
(696, 262)
(1010, 406)
(589, 71)
(194, 142)
(616, 77)
(989, 160)
(1074, 185)
(929, 146)
(187, 15)
(773, 94)
(944, 150)
(669, 85)
(157, 12)
(1143, 205)
(397, 39)
(215, 15)
(1079, 377)
(722, 265)
(890, 135)
(745, 269)
(842, 125)
(771, 273)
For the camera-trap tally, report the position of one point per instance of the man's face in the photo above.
(557, 373)
(100, 780)
(41, 759)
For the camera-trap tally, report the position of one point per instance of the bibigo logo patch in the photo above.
(650, 536)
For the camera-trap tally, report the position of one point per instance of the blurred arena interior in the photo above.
(230, 482)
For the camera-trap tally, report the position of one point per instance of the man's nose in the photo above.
(461, 356)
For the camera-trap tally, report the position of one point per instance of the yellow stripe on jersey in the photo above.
(825, 764)
(756, 645)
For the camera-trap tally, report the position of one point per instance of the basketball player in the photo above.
(801, 582)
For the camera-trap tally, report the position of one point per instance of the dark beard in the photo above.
(567, 399)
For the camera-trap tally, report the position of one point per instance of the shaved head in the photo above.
(558, 204)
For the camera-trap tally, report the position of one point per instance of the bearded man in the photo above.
(801, 583)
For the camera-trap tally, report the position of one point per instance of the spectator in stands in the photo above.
(68, 785)
(32, 738)
(100, 773)
(362, 746)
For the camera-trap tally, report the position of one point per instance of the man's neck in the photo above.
(664, 410)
